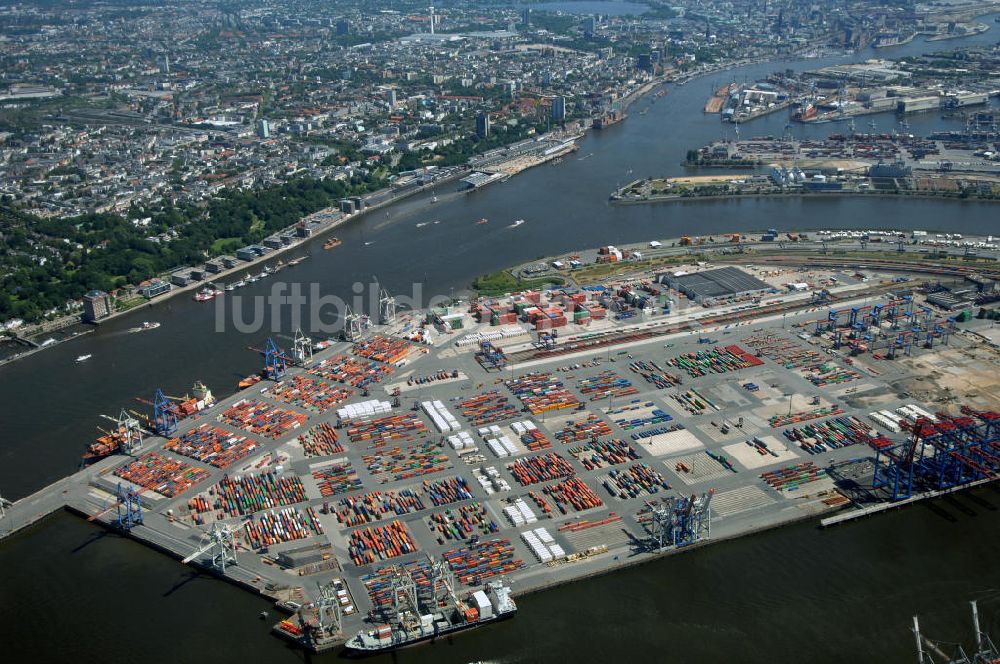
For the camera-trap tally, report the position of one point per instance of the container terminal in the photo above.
(391, 486)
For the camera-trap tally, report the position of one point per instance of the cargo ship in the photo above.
(480, 608)
(250, 381)
(105, 445)
(609, 119)
(332, 243)
(805, 114)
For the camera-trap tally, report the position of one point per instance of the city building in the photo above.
(483, 125)
(263, 129)
(559, 108)
(390, 97)
(96, 305)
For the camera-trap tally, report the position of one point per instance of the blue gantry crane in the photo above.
(164, 414)
(129, 507)
(274, 360)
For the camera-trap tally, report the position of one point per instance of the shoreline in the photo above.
(801, 194)
(242, 265)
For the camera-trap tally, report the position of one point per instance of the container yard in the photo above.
(375, 506)
(387, 464)
(541, 392)
(603, 453)
(310, 394)
(382, 430)
(369, 545)
(157, 472)
(597, 433)
(587, 427)
(351, 371)
(462, 523)
(606, 385)
(320, 440)
(212, 445)
(334, 479)
(487, 408)
(246, 494)
(262, 419)
(542, 468)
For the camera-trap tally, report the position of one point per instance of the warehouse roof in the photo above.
(720, 282)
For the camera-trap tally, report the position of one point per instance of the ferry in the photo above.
(480, 608)
(83, 358)
(333, 243)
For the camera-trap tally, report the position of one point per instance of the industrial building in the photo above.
(716, 283)
(96, 305)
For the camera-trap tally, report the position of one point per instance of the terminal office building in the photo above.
(717, 283)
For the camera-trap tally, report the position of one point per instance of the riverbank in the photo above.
(374, 201)
(802, 194)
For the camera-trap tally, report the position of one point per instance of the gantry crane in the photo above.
(302, 349)
(220, 542)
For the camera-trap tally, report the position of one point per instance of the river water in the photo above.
(858, 584)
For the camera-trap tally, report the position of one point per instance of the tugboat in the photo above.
(479, 608)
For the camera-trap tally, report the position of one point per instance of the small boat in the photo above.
(83, 358)
(422, 224)
(368, 244)
(207, 293)
(147, 325)
(517, 222)
(231, 287)
(436, 223)
(333, 243)
(434, 199)
(482, 221)
(296, 261)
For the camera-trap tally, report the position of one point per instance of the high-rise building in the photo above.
(590, 25)
(432, 19)
(390, 97)
(343, 27)
(263, 128)
(559, 108)
(96, 305)
(526, 16)
(483, 125)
